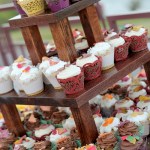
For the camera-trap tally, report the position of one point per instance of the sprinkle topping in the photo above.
(108, 121)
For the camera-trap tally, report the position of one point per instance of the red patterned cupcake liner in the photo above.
(139, 43)
(122, 51)
(93, 70)
(74, 84)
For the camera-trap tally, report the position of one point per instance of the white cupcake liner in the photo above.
(108, 60)
(53, 80)
(34, 87)
(6, 86)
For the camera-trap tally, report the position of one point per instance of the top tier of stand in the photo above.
(19, 21)
(92, 88)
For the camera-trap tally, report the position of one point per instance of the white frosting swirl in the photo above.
(135, 33)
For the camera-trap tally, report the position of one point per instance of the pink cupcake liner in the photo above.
(93, 70)
(74, 84)
(121, 52)
(56, 5)
(139, 43)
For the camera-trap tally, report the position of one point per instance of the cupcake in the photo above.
(42, 145)
(109, 125)
(125, 103)
(96, 100)
(144, 103)
(57, 134)
(55, 65)
(142, 75)
(131, 142)
(31, 81)
(6, 84)
(98, 120)
(58, 117)
(140, 119)
(122, 113)
(120, 45)
(106, 51)
(32, 7)
(138, 36)
(107, 105)
(20, 62)
(50, 48)
(66, 143)
(127, 128)
(137, 89)
(80, 40)
(74, 134)
(69, 123)
(87, 147)
(43, 131)
(106, 141)
(47, 111)
(125, 82)
(32, 121)
(91, 65)
(65, 109)
(71, 79)
(24, 142)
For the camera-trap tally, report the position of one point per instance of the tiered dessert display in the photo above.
(63, 38)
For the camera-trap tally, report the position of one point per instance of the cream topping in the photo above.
(135, 33)
(4, 73)
(117, 42)
(124, 104)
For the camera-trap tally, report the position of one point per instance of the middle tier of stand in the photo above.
(53, 97)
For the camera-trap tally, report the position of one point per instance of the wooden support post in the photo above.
(147, 70)
(85, 124)
(12, 119)
(91, 26)
(62, 35)
(34, 43)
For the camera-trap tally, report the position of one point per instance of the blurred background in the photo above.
(111, 15)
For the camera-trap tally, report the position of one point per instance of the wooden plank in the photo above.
(91, 26)
(147, 70)
(19, 21)
(12, 119)
(63, 39)
(34, 43)
(85, 124)
(53, 97)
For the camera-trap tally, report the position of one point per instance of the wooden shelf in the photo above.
(92, 88)
(19, 21)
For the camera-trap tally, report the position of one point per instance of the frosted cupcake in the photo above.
(125, 82)
(91, 65)
(71, 79)
(6, 84)
(106, 51)
(31, 81)
(80, 40)
(55, 65)
(125, 103)
(140, 118)
(107, 105)
(109, 125)
(98, 120)
(120, 45)
(24, 142)
(106, 141)
(69, 123)
(21, 61)
(65, 109)
(57, 134)
(43, 131)
(142, 75)
(87, 147)
(144, 103)
(138, 36)
(137, 89)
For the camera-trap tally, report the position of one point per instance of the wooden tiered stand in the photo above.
(61, 31)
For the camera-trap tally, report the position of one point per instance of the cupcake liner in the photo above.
(93, 70)
(32, 7)
(121, 52)
(6, 86)
(107, 112)
(74, 84)
(56, 5)
(139, 43)
(18, 8)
